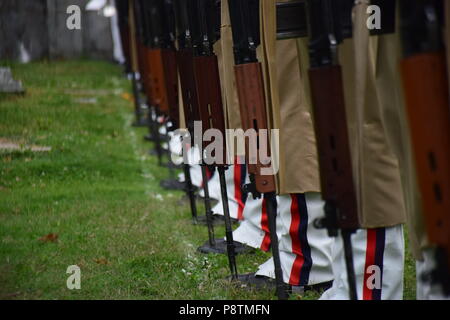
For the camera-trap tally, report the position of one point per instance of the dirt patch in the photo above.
(9, 145)
(92, 92)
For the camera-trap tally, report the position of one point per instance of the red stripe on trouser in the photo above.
(294, 229)
(265, 245)
(370, 261)
(209, 173)
(237, 189)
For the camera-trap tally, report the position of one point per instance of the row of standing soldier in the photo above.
(363, 117)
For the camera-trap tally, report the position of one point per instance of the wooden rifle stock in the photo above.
(156, 76)
(426, 94)
(164, 81)
(171, 70)
(425, 84)
(250, 87)
(146, 79)
(209, 97)
(326, 30)
(333, 144)
(244, 17)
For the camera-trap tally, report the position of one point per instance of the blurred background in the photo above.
(36, 29)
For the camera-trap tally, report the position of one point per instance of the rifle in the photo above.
(244, 17)
(122, 14)
(185, 16)
(163, 70)
(163, 67)
(143, 44)
(163, 79)
(139, 32)
(425, 84)
(206, 30)
(139, 121)
(143, 31)
(330, 123)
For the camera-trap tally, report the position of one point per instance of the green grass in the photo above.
(98, 190)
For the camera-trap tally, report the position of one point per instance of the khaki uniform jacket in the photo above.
(226, 66)
(288, 107)
(377, 173)
(366, 72)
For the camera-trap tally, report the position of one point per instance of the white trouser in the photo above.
(196, 175)
(213, 186)
(378, 258)
(253, 231)
(193, 158)
(175, 144)
(426, 290)
(234, 177)
(305, 251)
(163, 131)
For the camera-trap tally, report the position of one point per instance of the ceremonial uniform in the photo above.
(380, 243)
(383, 167)
(305, 251)
(378, 248)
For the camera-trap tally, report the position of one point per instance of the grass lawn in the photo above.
(98, 192)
